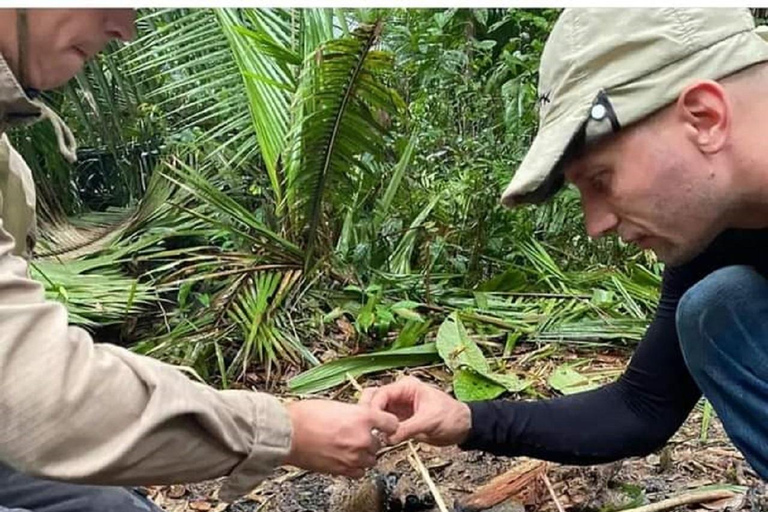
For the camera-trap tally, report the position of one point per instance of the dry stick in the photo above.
(419, 465)
(388, 449)
(685, 499)
(552, 492)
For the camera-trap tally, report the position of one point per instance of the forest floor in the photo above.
(694, 459)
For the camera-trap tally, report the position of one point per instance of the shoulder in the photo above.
(732, 247)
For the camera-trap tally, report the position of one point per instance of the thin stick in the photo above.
(684, 499)
(422, 469)
(352, 380)
(552, 492)
(388, 449)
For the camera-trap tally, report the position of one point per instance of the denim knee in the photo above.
(711, 309)
(116, 499)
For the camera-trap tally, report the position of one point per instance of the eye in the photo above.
(600, 181)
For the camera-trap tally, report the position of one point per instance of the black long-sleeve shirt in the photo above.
(641, 410)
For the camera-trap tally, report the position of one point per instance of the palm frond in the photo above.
(338, 92)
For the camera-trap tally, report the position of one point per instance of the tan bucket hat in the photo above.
(606, 68)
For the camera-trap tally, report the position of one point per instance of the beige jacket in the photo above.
(78, 411)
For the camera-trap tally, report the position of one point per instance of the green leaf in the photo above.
(461, 354)
(481, 299)
(568, 381)
(334, 373)
(481, 15)
(408, 314)
(411, 333)
(333, 315)
(384, 317)
(470, 386)
(512, 339)
(510, 382)
(365, 320)
(510, 280)
(457, 349)
(488, 44)
(406, 304)
(601, 297)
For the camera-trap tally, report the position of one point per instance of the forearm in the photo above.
(588, 428)
(73, 410)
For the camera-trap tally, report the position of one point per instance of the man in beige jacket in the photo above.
(83, 413)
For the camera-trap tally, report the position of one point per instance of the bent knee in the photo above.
(715, 307)
(117, 499)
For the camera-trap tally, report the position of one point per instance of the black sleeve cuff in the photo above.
(487, 432)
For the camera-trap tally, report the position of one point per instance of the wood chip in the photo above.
(508, 485)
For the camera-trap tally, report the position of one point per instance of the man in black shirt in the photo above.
(657, 117)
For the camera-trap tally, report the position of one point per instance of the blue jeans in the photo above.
(722, 323)
(23, 493)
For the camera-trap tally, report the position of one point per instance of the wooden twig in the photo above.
(685, 499)
(422, 469)
(388, 449)
(552, 492)
(352, 380)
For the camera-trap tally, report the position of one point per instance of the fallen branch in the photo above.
(422, 469)
(685, 499)
(507, 485)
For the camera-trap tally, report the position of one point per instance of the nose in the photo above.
(598, 217)
(120, 24)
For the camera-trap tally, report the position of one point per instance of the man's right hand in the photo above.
(336, 438)
(425, 413)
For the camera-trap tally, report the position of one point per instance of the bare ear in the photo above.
(706, 111)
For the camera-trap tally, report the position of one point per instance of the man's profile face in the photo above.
(650, 186)
(60, 41)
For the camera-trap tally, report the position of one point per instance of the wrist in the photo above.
(464, 422)
(292, 456)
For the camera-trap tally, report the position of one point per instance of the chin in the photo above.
(675, 255)
(57, 76)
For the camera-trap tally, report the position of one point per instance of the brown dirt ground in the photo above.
(686, 463)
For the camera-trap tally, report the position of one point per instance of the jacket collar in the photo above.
(16, 108)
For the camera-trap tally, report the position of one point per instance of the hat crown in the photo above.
(590, 50)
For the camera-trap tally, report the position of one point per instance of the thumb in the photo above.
(409, 429)
(366, 397)
(386, 423)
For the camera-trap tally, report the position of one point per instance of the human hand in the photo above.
(336, 438)
(425, 413)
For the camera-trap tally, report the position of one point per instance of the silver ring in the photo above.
(376, 433)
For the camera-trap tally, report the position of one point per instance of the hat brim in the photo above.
(540, 175)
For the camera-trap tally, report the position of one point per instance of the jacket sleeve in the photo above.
(82, 412)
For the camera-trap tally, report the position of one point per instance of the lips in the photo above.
(80, 52)
(642, 241)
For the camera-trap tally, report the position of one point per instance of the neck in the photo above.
(750, 200)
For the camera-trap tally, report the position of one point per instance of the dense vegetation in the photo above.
(271, 189)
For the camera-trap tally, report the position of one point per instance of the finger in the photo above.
(366, 460)
(385, 396)
(385, 422)
(353, 473)
(374, 442)
(409, 429)
(366, 397)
